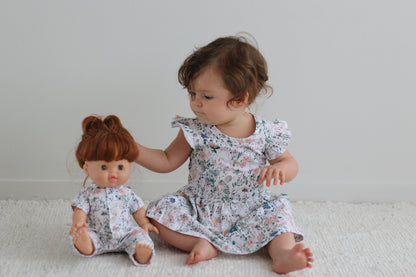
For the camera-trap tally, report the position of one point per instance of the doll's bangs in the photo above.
(113, 148)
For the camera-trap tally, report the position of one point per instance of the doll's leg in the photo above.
(200, 249)
(288, 256)
(138, 245)
(143, 253)
(83, 242)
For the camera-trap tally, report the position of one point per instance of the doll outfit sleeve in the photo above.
(277, 138)
(81, 200)
(135, 201)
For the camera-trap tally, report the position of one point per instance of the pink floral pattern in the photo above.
(223, 202)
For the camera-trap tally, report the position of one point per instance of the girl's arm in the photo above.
(283, 168)
(164, 161)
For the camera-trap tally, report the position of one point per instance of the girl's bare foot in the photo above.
(202, 251)
(143, 253)
(83, 243)
(293, 259)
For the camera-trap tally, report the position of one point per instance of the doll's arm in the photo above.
(79, 220)
(283, 168)
(143, 221)
(164, 161)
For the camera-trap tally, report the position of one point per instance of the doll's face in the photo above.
(108, 174)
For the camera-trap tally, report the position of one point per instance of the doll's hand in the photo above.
(76, 227)
(270, 173)
(149, 227)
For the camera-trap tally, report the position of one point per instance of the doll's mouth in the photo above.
(112, 179)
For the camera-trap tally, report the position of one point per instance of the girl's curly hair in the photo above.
(241, 65)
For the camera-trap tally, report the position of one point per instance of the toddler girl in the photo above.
(224, 207)
(101, 221)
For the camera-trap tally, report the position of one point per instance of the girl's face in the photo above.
(209, 99)
(108, 174)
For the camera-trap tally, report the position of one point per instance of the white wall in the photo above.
(343, 73)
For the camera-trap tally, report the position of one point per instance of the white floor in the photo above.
(347, 240)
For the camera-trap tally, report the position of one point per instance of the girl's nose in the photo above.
(197, 103)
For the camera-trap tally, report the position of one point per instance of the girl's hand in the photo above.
(270, 173)
(76, 227)
(149, 227)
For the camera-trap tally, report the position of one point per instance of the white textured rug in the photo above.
(347, 240)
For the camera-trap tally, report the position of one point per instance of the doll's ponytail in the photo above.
(113, 124)
(91, 125)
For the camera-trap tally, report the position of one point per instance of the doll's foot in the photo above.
(83, 242)
(143, 253)
(202, 251)
(294, 259)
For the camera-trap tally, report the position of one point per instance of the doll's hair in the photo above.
(105, 140)
(240, 64)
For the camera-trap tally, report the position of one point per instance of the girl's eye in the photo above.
(208, 97)
(120, 167)
(192, 94)
(103, 167)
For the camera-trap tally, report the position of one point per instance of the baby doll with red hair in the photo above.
(102, 212)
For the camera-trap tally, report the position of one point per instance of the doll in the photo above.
(101, 220)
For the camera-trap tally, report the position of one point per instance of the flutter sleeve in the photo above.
(190, 128)
(277, 138)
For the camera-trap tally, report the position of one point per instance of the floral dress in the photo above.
(222, 201)
(109, 218)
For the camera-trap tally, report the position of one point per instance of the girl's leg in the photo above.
(288, 256)
(200, 249)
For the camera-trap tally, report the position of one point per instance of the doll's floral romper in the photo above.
(109, 218)
(223, 202)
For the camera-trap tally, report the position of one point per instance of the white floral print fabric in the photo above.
(109, 218)
(223, 202)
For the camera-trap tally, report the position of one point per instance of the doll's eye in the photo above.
(103, 167)
(120, 167)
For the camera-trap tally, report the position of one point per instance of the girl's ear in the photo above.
(242, 102)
